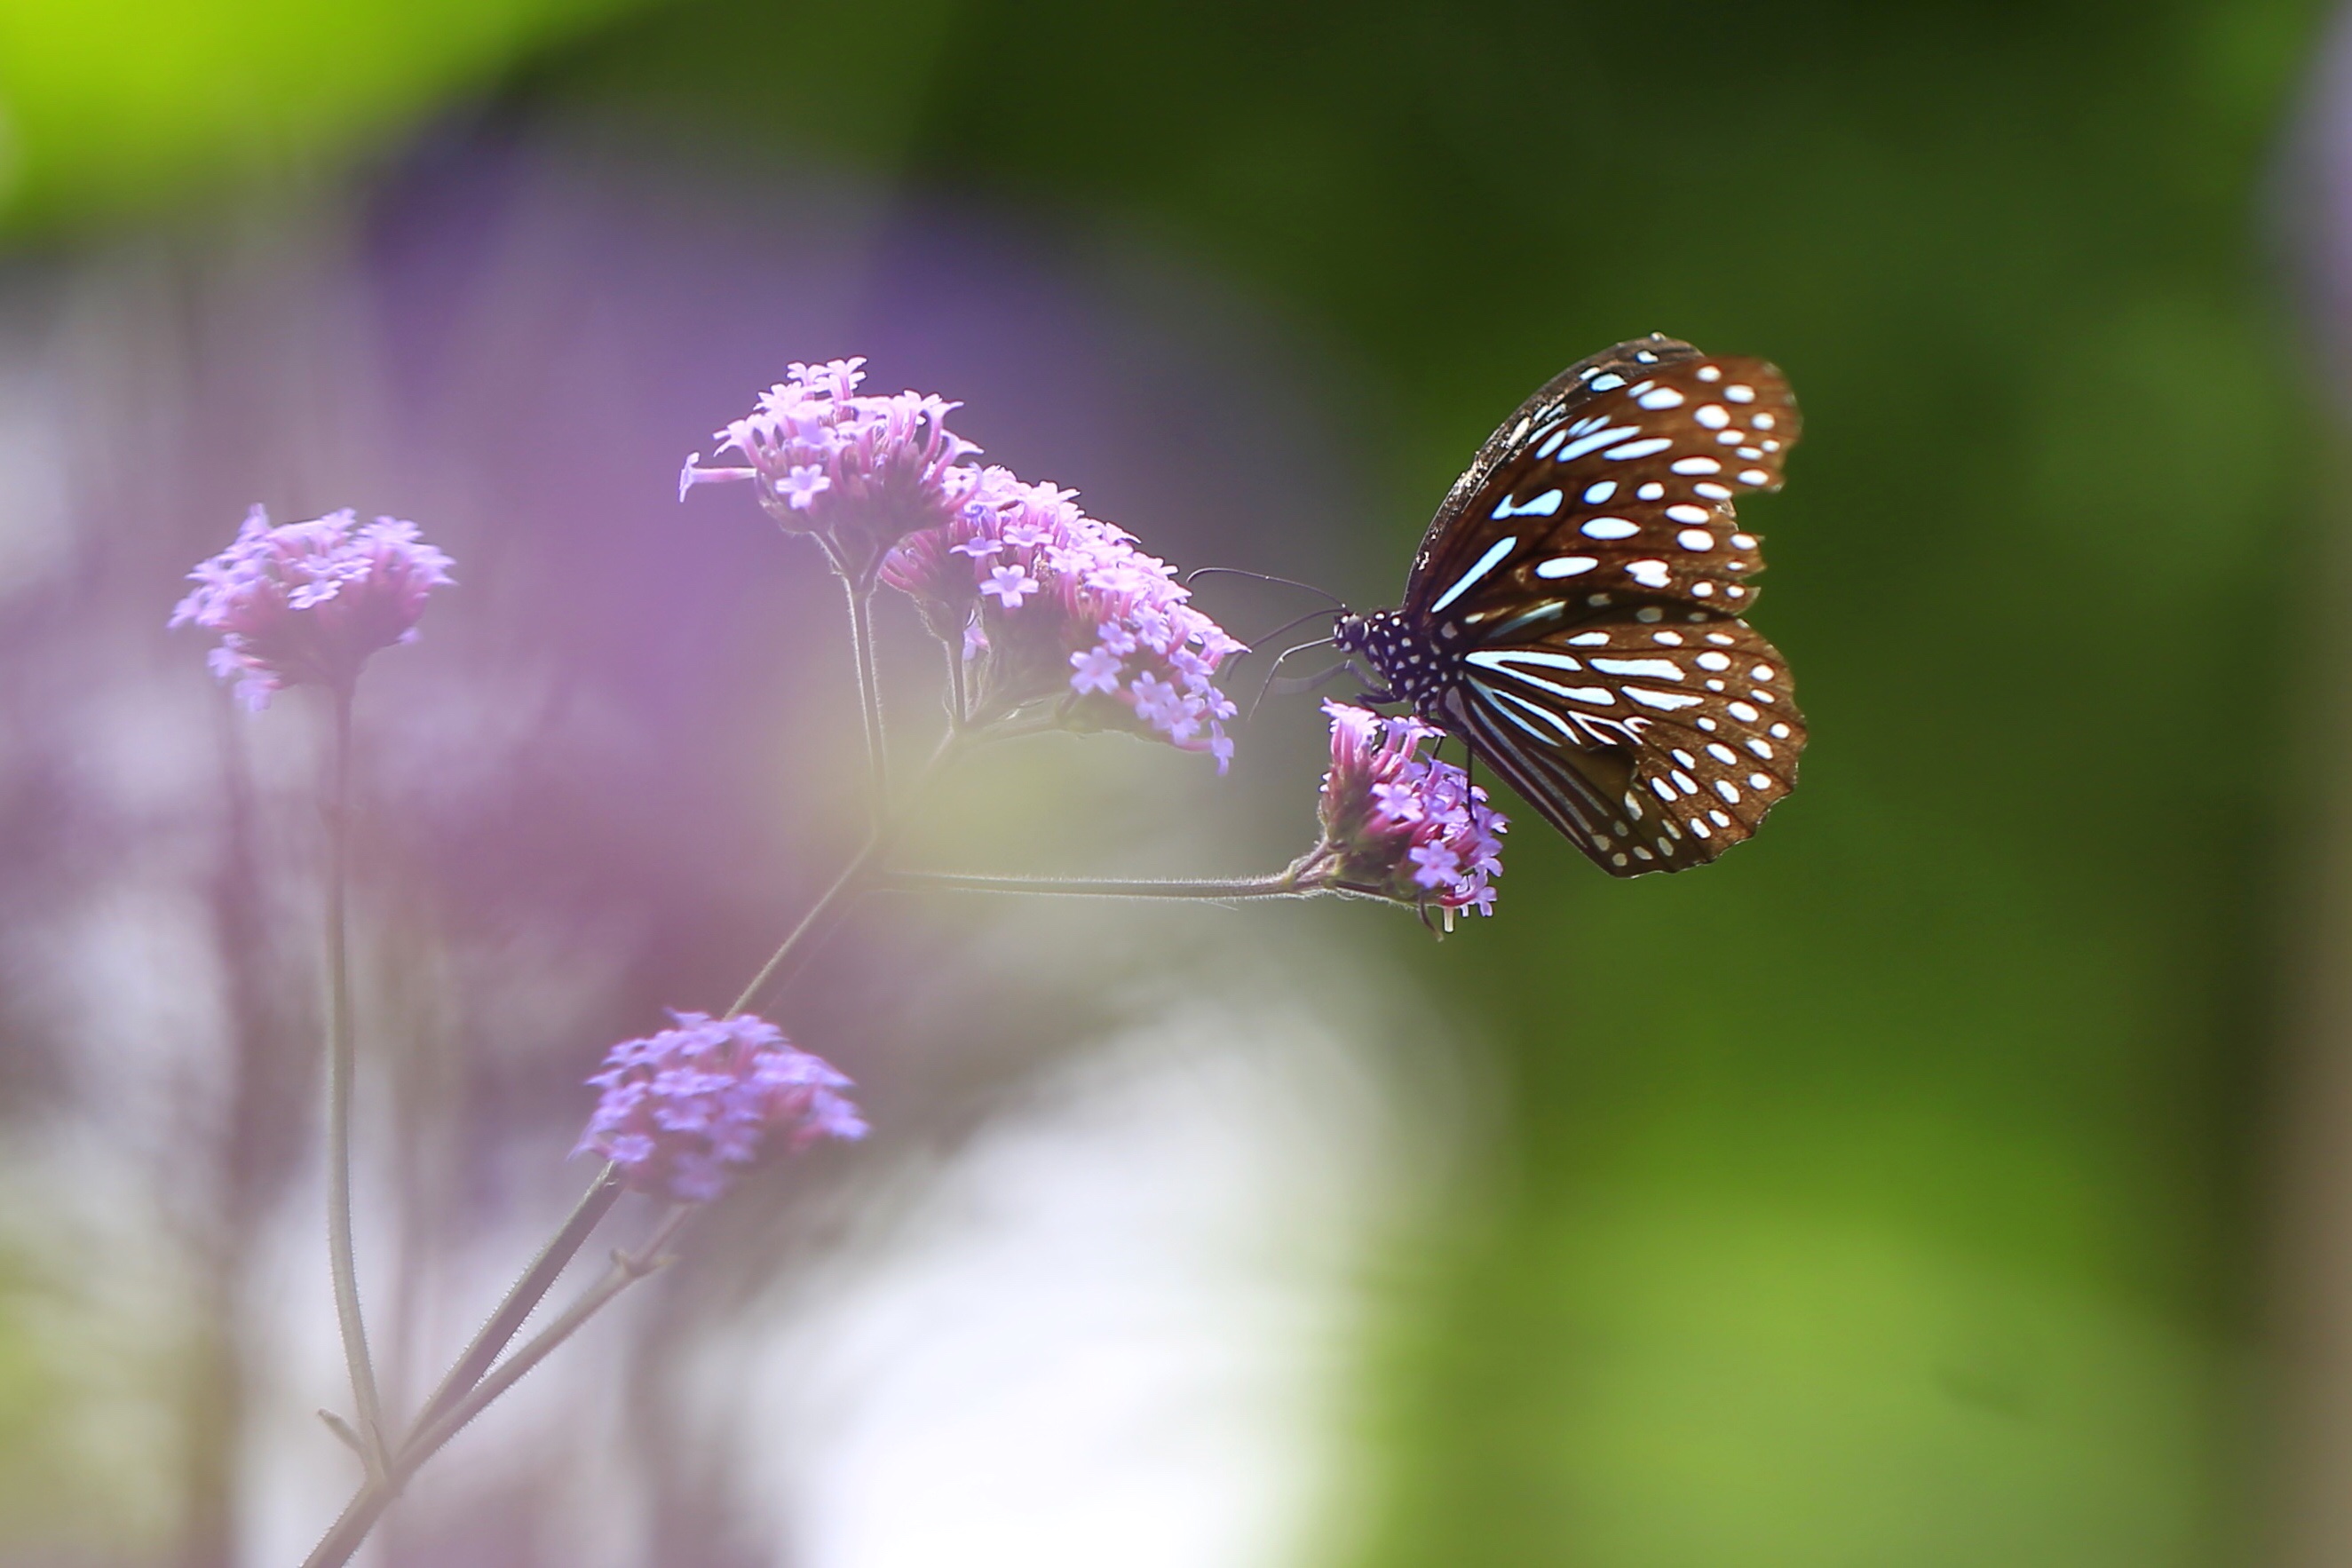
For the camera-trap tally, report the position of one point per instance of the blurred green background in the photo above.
(1893, 1193)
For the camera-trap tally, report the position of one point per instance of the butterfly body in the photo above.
(1573, 615)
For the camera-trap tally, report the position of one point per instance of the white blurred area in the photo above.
(1124, 1325)
(1103, 1285)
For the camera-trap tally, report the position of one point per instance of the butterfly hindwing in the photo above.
(1652, 745)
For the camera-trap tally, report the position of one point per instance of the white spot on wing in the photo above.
(1696, 466)
(1610, 528)
(1594, 494)
(1654, 668)
(1504, 658)
(1637, 448)
(1565, 565)
(1543, 505)
(1661, 397)
(1695, 539)
(1649, 573)
(1714, 416)
(1666, 701)
(1486, 562)
(1583, 444)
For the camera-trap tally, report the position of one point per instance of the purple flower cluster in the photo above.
(678, 1108)
(858, 472)
(1401, 826)
(307, 603)
(1045, 602)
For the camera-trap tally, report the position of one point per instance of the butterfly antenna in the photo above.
(1276, 669)
(1266, 577)
(1292, 624)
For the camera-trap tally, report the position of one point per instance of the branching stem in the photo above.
(507, 1319)
(432, 1431)
(478, 1377)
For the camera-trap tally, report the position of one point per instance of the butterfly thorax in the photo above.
(1409, 668)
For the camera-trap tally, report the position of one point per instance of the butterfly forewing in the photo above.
(1614, 485)
(1581, 586)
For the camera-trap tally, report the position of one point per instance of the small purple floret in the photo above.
(1051, 604)
(307, 603)
(680, 1108)
(860, 472)
(1403, 825)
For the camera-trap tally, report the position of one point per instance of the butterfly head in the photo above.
(1401, 662)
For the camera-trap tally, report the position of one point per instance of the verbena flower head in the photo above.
(859, 472)
(307, 603)
(1044, 602)
(1401, 826)
(678, 1110)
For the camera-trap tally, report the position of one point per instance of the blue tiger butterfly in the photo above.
(1574, 614)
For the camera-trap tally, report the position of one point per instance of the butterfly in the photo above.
(1573, 616)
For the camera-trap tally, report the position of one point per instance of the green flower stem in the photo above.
(426, 1437)
(1283, 884)
(854, 879)
(959, 705)
(857, 585)
(341, 1068)
(505, 1323)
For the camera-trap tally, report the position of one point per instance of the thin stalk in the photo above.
(1283, 884)
(341, 1069)
(844, 886)
(512, 1313)
(859, 590)
(626, 1270)
(959, 704)
(428, 1435)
